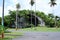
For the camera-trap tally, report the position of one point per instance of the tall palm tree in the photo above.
(52, 4)
(3, 18)
(31, 3)
(17, 7)
(35, 12)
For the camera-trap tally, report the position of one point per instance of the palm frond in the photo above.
(32, 2)
(53, 4)
(18, 6)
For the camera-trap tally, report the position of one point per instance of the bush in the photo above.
(1, 29)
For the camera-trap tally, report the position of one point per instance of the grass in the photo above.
(5, 39)
(9, 36)
(42, 29)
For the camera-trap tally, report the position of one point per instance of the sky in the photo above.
(41, 5)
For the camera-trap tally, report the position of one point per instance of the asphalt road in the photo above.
(39, 36)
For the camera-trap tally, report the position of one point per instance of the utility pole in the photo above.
(3, 18)
(3, 13)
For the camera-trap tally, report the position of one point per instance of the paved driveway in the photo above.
(39, 36)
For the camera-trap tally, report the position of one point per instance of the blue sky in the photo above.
(41, 5)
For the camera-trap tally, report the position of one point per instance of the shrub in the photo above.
(1, 29)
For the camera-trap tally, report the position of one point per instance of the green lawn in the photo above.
(9, 36)
(5, 39)
(42, 29)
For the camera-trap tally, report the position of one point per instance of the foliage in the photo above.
(18, 6)
(52, 3)
(32, 2)
(1, 29)
(0, 20)
(48, 19)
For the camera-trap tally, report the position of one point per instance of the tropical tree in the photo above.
(51, 15)
(31, 3)
(52, 4)
(17, 7)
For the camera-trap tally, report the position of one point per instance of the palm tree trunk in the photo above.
(3, 19)
(35, 12)
(16, 18)
(55, 22)
(31, 16)
(54, 17)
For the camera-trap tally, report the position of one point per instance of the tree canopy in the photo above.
(48, 19)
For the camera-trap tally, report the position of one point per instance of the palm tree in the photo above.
(31, 3)
(17, 7)
(52, 4)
